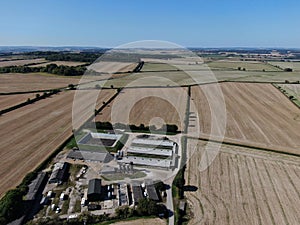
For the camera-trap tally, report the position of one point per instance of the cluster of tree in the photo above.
(179, 182)
(240, 68)
(88, 57)
(12, 205)
(148, 207)
(50, 68)
(169, 128)
(288, 70)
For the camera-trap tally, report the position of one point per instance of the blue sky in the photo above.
(210, 23)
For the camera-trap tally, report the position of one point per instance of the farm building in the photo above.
(103, 157)
(94, 190)
(153, 162)
(100, 139)
(154, 142)
(59, 173)
(123, 195)
(36, 186)
(151, 191)
(150, 151)
(137, 193)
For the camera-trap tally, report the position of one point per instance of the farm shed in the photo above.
(153, 142)
(137, 193)
(36, 186)
(103, 157)
(150, 151)
(151, 191)
(155, 162)
(94, 190)
(59, 173)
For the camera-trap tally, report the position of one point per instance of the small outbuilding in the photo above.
(94, 190)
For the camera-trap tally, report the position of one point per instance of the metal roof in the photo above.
(137, 193)
(150, 151)
(90, 155)
(144, 141)
(152, 194)
(94, 186)
(166, 163)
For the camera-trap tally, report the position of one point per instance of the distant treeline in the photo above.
(88, 57)
(50, 68)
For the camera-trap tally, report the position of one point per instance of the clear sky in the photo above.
(109, 23)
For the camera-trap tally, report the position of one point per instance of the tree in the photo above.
(288, 70)
(124, 212)
(147, 207)
(160, 186)
(71, 86)
(11, 205)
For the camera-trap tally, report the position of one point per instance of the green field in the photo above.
(248, 65)
(293, 65)
(162, 75)
(158, 67)
(292, 90)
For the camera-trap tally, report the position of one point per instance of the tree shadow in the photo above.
(190, 188)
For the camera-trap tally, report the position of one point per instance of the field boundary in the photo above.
(286, 95)
(245, 146)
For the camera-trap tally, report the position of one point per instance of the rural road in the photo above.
(170, 205)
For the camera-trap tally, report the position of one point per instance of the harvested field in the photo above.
(146, 105)
(21, 62)
(257, 115)
(30, 134)
(17, 82)
(243, 186)
(112, 67)
(155, 221)
(60, 63)
(7, 101)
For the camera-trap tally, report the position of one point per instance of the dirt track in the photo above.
(243, 186)
(30, 134)
(257, 115)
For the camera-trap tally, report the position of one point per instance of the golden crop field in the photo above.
(243, 186)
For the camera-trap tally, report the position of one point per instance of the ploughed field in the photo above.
(31, 133)
(242, 186)
(257, 115)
